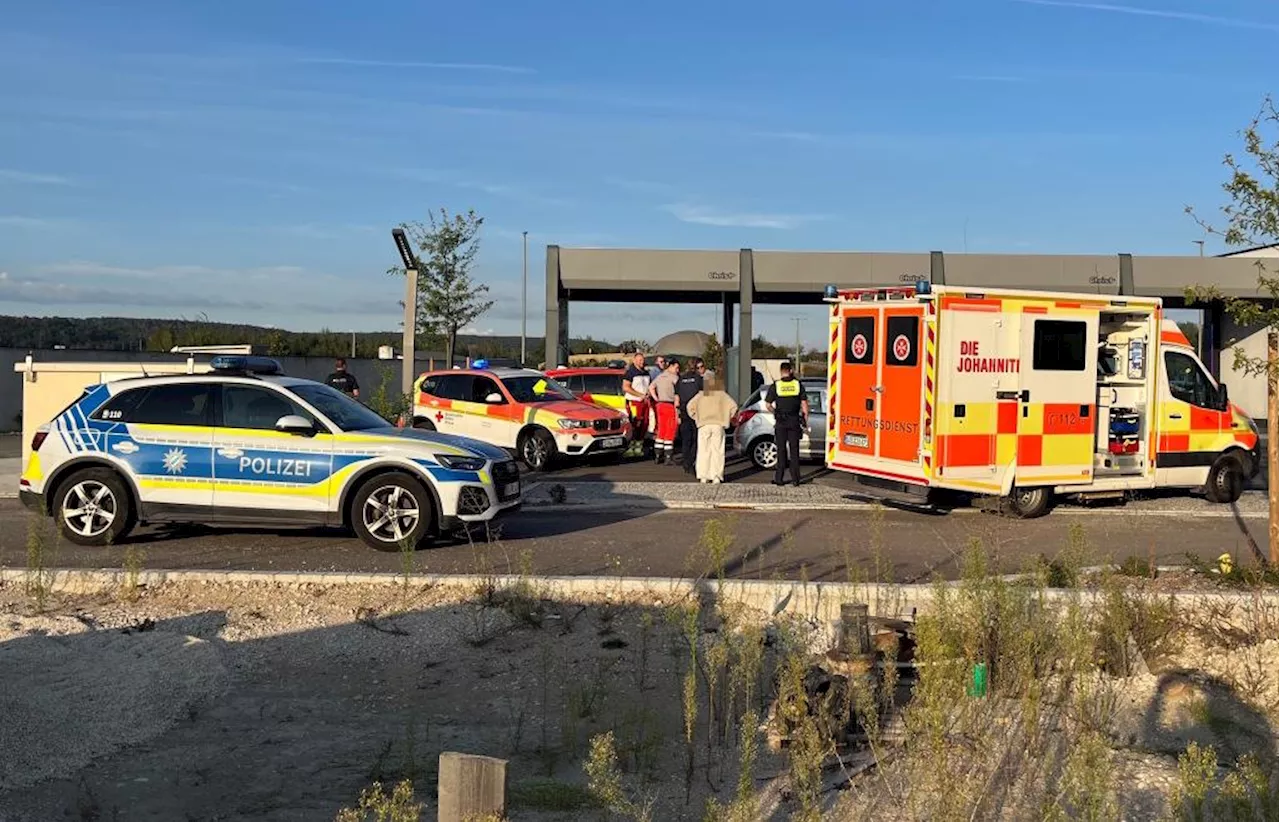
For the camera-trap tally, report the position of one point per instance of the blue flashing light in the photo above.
(830, 292)
(248, 365)
(922, 287)
(480, 364)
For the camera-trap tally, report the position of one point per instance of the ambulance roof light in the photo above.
(922, 287)
(830, 292)
(246, 365)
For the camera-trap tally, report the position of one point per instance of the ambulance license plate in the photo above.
(613, 442)
(856, 440)
(511, 489)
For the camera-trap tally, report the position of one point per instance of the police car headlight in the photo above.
(460, 463)
(570, 424)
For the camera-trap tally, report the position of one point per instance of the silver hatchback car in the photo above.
(753, 428)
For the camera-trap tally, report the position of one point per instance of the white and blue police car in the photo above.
(244, 444)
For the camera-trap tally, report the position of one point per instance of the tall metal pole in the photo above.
(407, 256)
(1201, 244)
(524, 297)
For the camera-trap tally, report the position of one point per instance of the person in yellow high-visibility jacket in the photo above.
(786, 400)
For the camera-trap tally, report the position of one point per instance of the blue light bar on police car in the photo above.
(245, 364)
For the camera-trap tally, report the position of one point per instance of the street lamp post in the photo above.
(1201, 244)
(524, 297)
(410, 308)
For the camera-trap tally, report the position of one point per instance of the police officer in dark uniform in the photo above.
(786, 400)
(687, 387)
(342, 379)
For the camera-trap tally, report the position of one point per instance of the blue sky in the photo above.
(246, 158)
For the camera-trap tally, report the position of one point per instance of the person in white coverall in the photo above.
(712, 410)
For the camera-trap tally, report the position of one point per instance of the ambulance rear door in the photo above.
(879, 393)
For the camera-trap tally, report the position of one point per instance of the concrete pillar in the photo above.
(552, 354)
(937, 268)
(1126, 275)
(726, 324)
(746, 294)
(471, 787)
(562, 338)
(1248, 392)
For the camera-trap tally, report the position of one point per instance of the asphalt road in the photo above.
(794, 544)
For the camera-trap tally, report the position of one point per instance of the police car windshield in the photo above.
(341, 410)
(534, 388)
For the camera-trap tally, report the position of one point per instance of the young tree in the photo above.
(448, 299)
(1249, 219)
(713, 355)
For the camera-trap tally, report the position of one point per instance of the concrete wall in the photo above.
(368, 372)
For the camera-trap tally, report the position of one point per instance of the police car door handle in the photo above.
(230, 453)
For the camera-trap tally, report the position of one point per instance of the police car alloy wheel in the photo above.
(764, 453)
(94, 508)
(392, 512)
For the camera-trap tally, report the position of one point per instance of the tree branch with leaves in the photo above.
(448, 298)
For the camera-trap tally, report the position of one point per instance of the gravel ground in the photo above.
(207, 702)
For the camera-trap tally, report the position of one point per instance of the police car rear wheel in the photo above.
(1029, 503)
(94, 507)
(392, 512)
(764, 454)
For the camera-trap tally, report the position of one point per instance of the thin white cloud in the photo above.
(1168, 14)
(89, 269)
(702, 215)
(497, 68)
(19, 221)
(506, 191)
(34, 178)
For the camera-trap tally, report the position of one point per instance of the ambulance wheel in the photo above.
(537, 449)
(93, 507)
(423, 424)
(392, 512)
(1029, 503)
(764, 454)
(1225, 483)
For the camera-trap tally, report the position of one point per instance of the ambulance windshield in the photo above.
(341, 410)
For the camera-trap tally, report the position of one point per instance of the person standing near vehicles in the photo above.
(659, 365)
(342, 379)
(687, 387)
(635, 387)
(712, 410)
(662, 391)
(786, 400)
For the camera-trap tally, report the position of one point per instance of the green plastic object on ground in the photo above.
(978, 681)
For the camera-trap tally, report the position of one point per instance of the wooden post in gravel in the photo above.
(471, 787)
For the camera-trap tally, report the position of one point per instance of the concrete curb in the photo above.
(819, 601)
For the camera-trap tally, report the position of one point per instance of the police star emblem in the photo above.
(175, 460)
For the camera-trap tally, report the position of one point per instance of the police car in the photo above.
(245, 444)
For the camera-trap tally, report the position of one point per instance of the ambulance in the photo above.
(1025, 396)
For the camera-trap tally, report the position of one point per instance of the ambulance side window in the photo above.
(901, 334)
(247, 406)
(1059, 345)
(175, 404)
(1187, 381)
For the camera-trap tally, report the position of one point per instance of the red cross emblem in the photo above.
(901, 347)
(439, 416)
(859, 347)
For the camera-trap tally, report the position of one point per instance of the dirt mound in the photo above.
(69, 694)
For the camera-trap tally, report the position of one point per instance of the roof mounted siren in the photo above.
(245, 365)
(922, 288)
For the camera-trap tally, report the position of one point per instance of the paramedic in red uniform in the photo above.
(786, 400)
(635, 387)
(662, 391)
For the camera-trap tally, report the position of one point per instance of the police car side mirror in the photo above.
(494, 399)
(294, 424)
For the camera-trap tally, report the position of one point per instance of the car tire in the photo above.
(371, 504)
(1225, 482)
(537, 449)
(94, 507)
(1029, 503)
(764, 453)
(423, 424)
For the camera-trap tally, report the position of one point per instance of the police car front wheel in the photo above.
(93, 507)
(392, 512)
